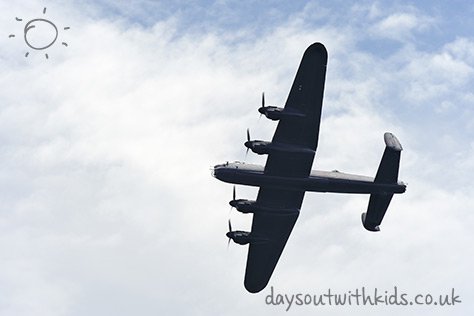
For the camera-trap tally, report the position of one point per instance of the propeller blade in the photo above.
(263, 105)
(248, 140)
(233, 199)
(228, 235)
(230, 230)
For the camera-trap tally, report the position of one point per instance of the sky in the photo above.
(107, 203)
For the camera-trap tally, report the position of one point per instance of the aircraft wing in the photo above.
(272, 228)
(306, 97)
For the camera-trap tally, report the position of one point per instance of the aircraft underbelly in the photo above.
(312, 183)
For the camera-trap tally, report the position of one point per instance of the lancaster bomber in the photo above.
(287, 174)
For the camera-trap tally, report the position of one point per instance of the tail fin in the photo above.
(388, 168)
(387, 174)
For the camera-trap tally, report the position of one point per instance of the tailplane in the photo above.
(386, 174)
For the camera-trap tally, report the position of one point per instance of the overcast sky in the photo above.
(107, 204)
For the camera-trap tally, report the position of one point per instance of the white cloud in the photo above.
(436, 75)
(401, 26)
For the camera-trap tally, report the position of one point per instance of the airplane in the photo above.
(287, 174)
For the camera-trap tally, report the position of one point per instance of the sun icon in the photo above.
(40, 34)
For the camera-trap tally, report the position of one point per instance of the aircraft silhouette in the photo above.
(287, 174)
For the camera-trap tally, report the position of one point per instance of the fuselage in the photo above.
(317, 181)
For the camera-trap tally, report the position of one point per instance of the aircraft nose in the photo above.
(214, 170)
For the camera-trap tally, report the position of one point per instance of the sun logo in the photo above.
(40, 34)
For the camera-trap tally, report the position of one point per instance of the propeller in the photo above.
(230, 230)
(233, 199)
(263, 105)
(248, 139)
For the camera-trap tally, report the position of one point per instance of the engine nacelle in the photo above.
(276, 113)
(239, 237)
(261, 147)
(249, 206)
(243, 238)
(244, 206)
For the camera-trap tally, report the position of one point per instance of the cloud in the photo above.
(108, 206)
(402, 26)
